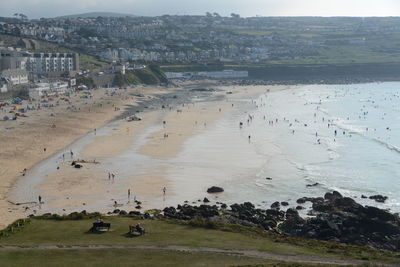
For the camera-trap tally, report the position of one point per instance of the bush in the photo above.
(14, 227)
(72, 216)
(152, 75)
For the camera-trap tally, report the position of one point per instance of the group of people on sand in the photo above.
(111, 176)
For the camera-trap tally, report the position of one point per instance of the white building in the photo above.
(15, 76)
(52, 62)
(51, 88)
(3, 85)
(38, 62)
(226, 74)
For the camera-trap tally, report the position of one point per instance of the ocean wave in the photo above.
(359, 130)
(387, 145)
(342, 124)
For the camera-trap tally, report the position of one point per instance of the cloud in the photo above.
(52, 8)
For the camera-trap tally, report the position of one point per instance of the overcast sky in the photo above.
(246, 8)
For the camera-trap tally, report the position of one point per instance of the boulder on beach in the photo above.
(215, 189)
(284, 203)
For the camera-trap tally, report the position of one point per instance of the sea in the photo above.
(302, 141)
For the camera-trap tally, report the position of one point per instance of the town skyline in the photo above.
(251, 8)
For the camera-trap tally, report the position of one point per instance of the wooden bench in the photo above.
(136, 230)
(100, 227)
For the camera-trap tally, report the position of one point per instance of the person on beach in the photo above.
(164, 190)
(40, 199)
(109, 176)
(129, 193)
(72, 153)
(44, 150)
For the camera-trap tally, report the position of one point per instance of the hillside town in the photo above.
(116, 51)
(184, 39)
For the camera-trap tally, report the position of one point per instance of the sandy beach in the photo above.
(22, 142)
(141, 154)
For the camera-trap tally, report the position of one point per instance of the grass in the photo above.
(119, 257)
(91, 63)
(130, 257)
(164, 233)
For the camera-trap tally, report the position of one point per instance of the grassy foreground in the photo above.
(162, 233)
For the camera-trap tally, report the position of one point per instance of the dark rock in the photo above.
(363, 196)
(122, 212)
(268, 178)
(379, 198)
(293, 223)
(373, 212)
(215, 189)
(276, 205)
(78, 166)
(224, 206)
(332, 196)
(284, 203)
(116, 211)
(312, 185)
(342, 219)
(301, 200)
(135, 213)
(299, 208)
(205, 200)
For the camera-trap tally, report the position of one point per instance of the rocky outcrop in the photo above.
(335, 218)
(343, 219)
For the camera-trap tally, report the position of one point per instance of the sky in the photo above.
(246, 8)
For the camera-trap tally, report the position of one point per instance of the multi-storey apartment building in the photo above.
(52, 62)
